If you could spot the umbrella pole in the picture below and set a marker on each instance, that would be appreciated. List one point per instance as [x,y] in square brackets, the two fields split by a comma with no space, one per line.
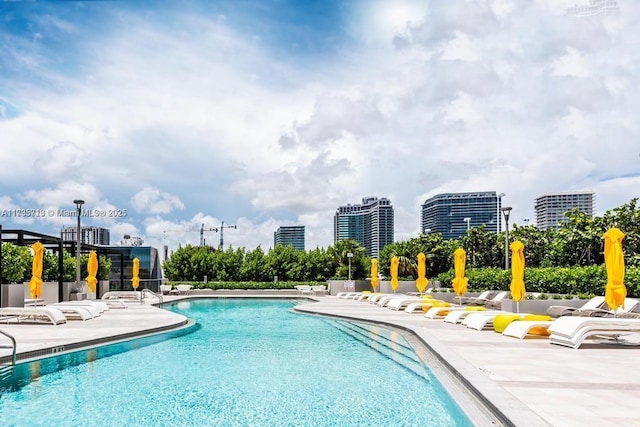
[517,306]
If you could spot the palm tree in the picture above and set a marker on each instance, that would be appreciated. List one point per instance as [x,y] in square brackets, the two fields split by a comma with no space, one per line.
[338,254]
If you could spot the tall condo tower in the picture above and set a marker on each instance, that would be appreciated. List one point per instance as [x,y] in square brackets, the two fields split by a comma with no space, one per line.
[550,208]
[451,214]
[369,223]
[290,235]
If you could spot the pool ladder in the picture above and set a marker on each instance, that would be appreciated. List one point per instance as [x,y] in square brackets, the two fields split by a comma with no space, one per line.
[7,370]
[153,295]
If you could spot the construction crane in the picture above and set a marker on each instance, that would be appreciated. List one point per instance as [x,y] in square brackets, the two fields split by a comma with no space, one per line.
[202,230]
[222,227]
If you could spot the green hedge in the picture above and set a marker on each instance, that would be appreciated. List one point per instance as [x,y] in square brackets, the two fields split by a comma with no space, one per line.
[246,285]
[550,280]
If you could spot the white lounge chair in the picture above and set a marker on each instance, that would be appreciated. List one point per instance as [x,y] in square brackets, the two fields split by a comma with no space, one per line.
[93,310]
[442,312]
[98,305]
[348,295]
[122,295]
[457,316]
[184,289]
[402,302]
[76,312]
[365,296]
[477,300]
[572,331]
[384,300]
[425,303]
[115,303]
[300,289]
[320,290]
[521,328]
[481,320]
[33,315]
[165,289]
[375,298]
[561,310]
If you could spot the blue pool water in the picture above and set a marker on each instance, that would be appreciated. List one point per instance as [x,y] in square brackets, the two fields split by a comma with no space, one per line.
[251,363]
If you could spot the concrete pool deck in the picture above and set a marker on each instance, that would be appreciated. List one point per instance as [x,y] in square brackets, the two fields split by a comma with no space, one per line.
[530,381]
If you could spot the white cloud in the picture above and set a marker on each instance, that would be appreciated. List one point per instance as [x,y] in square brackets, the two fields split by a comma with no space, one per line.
[152,201]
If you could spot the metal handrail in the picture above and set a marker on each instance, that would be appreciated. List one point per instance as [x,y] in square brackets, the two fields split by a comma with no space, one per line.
[145,290]
[13,341]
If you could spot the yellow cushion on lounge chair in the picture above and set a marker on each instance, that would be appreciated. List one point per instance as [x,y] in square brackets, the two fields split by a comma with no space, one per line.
[540,330]
[501,321]
[476,308]
[434,303]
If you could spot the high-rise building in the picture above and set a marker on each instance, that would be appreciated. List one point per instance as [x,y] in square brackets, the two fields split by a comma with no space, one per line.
[290,235]
[550,208]
[595,7]
[88,234]
[370,224]
[128,240]
[451,214]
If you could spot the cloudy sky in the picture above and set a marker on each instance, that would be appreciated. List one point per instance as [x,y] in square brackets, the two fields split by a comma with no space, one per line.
[262,113]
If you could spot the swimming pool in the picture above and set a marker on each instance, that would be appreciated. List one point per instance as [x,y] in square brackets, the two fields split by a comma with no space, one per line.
[251,363]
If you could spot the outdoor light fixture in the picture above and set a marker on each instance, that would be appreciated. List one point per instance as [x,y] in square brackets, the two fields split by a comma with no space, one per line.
[349,256]
[499,220]
[78,204]
[468,221]
[506,211]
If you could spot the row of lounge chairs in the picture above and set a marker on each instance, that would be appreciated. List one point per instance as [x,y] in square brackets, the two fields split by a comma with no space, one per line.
[55,314]
[59,313]
[568,326]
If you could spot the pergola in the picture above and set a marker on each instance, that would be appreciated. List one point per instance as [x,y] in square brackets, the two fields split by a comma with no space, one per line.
[57,246]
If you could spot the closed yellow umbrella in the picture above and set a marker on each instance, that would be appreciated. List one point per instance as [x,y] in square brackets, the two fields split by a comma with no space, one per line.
[517,273]
[615,291]
[460,282]
[35,284]
[92,270]
[395,262]
[422,282]
[374,274]
[135,280]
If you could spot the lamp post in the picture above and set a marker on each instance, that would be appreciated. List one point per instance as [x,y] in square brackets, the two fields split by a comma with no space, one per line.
[506,211]
[499,220]
[79,204]
[526,221]
[349,256]
[473,254]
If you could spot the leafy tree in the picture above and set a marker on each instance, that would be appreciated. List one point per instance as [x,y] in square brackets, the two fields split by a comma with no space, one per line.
[577,242]
[284,262]
[536,243]
[318,265]
[627,219]
[254,266]
[15,262]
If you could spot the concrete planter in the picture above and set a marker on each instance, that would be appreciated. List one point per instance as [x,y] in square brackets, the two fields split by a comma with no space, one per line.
[535,306]
[103,286]
[49,292]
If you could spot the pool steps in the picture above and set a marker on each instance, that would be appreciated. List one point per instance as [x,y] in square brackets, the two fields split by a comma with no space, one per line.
[397,350]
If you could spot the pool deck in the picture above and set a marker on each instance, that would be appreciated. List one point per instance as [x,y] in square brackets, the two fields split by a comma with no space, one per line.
[532,382]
